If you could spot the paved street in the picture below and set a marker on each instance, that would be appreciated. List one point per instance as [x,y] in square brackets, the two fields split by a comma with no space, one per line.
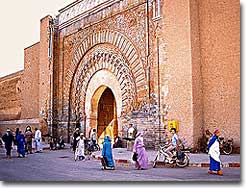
[60,166]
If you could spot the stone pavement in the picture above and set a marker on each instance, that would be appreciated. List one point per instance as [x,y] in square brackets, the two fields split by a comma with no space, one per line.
[121,155]
[60,166]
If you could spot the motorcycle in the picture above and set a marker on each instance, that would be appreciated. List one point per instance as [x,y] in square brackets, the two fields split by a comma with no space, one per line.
[180,156]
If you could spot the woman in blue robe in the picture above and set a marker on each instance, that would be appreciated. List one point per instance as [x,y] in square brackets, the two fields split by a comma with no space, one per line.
[21,143]
[107,155]
[214,154]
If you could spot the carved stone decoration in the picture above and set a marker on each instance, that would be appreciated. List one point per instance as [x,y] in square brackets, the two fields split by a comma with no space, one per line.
[77,8]
[117,40]
[103,50]
[102,57]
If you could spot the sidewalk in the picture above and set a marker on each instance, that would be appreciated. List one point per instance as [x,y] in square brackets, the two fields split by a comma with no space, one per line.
[122,156]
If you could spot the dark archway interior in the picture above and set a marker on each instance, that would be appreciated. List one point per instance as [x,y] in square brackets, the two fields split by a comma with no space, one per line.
[106,112]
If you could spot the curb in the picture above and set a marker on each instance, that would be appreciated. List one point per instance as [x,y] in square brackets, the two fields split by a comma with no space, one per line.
[224,165]
[203,165]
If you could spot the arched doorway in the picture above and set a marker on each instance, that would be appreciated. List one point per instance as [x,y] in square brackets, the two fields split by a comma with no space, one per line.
[107,115]
[103,113]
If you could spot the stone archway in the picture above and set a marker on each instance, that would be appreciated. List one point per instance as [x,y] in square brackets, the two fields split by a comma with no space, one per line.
[103,65]
[105,50]
[115,53]
[101,58]
[101,81]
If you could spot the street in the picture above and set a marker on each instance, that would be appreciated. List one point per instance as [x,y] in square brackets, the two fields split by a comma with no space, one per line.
[60,166]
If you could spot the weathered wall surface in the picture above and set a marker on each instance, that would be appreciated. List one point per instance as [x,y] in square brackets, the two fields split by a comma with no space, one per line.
[30,83]
[220,59]
[10,96]
[176,66]
[45,72]
[21,124]
[87,44]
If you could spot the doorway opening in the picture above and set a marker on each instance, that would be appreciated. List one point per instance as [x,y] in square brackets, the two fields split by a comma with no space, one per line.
[104,112]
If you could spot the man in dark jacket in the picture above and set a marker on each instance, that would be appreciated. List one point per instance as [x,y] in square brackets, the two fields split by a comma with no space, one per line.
[75,136]
[8,138]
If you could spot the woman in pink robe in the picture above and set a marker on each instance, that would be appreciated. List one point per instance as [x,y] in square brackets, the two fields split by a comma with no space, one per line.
[139,148]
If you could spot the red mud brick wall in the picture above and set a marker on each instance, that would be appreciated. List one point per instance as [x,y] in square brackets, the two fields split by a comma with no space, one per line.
[220,58]
[30,83]
[10,96]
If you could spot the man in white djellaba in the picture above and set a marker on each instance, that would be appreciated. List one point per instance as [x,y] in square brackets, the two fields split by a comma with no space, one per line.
[38,139]
[80,146]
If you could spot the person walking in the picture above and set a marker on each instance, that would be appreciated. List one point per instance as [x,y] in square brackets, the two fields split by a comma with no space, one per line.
[28,137]
[38,139]
[214,154]
[20,144]
[8,139]
[80,146]
[75,136]
[93,137]
[118,142]
[141,161]
[107,156]
[15,141]
[131,137]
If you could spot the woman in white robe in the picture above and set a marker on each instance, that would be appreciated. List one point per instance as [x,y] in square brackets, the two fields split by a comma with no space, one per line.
[214,154]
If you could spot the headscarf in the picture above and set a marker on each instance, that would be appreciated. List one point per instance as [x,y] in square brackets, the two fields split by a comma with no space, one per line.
[107,139]
[216,131]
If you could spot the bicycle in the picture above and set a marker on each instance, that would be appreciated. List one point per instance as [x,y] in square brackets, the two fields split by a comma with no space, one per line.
[180,156]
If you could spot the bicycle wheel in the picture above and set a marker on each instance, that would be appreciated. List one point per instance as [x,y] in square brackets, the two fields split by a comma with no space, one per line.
[184,161]
[227,149]
[96,147]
